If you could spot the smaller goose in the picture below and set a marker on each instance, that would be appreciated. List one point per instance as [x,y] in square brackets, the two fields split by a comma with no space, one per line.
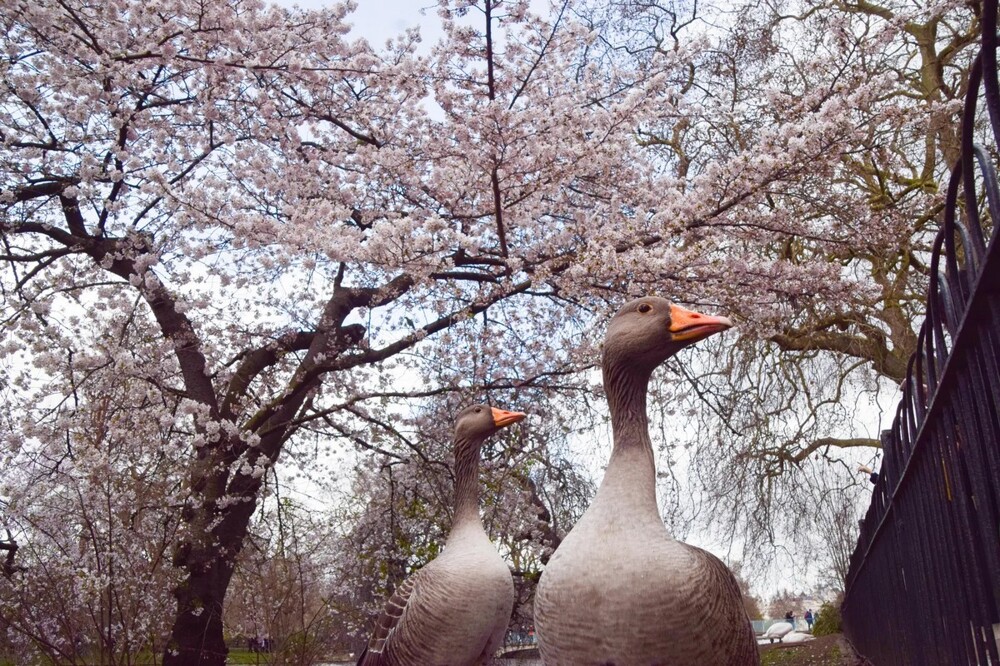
[454,611]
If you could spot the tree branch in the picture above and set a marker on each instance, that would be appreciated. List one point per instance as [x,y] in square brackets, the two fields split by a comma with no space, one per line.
[256,361]
[376,355]
[833,442]
[117,256]
[8,568]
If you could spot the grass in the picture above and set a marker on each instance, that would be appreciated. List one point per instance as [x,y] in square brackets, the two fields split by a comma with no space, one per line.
[826,651]
[793,657]
[243,656]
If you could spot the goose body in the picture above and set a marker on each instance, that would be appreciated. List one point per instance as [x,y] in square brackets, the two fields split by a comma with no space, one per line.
[455,610]
[778,631]
[618,590]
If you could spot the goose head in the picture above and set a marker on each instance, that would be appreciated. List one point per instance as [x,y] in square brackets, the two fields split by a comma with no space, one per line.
[477,422]
[472,426]
[647,331]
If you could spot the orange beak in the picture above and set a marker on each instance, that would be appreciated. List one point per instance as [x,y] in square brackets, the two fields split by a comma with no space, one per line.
[689,326]
[501,417]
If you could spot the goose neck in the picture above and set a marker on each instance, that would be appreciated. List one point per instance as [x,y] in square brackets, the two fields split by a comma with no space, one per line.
[466,481]
[629,483]
[626,389]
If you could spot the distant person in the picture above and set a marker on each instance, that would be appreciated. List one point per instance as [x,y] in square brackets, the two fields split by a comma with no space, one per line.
[865,469]
[790,619]
[809,619]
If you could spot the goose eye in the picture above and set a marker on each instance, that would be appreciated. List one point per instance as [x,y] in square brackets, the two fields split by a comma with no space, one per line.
[645,307]
[479,410]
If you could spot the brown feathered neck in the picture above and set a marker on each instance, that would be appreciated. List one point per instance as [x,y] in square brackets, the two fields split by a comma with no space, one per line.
[626,383]
[467,456]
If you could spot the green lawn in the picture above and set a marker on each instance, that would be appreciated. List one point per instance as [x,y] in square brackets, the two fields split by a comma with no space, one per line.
[244,656]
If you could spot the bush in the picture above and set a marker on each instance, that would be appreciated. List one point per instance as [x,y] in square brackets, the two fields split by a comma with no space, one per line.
[827,620]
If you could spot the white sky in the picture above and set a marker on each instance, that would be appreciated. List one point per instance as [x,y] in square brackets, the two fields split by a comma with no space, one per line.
[378,20]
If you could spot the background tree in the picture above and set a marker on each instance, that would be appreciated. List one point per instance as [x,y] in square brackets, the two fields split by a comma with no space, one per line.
[91,503]
[283,584]
[785,601]
[751,604]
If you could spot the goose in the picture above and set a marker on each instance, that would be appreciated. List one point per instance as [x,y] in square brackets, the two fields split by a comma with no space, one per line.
[619,590]
[455,610]
[778,631]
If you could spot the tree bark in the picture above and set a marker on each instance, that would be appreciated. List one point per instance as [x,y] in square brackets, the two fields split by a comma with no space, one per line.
[197,637]
[208,558]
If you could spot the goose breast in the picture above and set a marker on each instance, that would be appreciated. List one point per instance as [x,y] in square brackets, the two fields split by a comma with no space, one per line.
[652,597]
[453,611]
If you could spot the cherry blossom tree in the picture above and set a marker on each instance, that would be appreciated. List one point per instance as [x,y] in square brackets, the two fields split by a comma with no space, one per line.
[275,234]
[90,500]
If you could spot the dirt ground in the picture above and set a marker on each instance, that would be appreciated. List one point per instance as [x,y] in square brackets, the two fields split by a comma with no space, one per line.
[833,650]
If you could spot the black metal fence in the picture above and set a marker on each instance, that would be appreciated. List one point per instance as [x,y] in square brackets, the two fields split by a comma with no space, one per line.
[924,581]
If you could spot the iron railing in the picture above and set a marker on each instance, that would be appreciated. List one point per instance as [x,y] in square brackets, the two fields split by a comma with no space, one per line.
[924,581]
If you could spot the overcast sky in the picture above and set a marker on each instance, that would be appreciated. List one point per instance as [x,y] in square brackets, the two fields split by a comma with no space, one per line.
[378,20]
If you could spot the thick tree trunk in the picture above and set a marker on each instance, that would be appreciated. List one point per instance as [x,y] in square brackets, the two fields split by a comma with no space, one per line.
[208,558]
[197,638]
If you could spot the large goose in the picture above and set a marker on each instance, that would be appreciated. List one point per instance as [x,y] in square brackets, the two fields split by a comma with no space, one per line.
[618,590]
[454,611]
